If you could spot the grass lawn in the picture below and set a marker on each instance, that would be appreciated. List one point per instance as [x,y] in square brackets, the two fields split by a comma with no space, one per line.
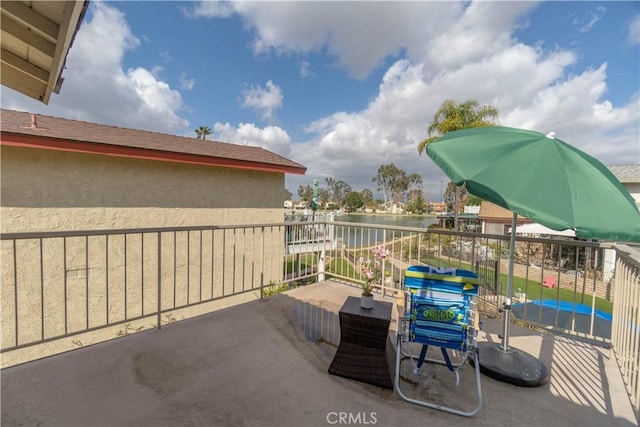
[534,289]
[306,260]
[342,268]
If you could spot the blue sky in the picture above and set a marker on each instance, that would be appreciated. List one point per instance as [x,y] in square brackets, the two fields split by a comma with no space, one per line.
[344,87]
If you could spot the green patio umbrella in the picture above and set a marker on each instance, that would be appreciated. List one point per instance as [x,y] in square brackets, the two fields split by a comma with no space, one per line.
[540,177]
[548,181]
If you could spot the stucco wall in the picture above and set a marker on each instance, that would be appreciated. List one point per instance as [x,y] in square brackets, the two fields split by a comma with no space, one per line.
[52,190]
[634,190]
[55,286]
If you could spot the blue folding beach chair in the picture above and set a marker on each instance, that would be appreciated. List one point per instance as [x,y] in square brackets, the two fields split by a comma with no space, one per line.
[439,310]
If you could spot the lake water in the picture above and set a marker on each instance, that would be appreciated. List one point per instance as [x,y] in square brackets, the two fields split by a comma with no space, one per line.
[388,219]
[356,237]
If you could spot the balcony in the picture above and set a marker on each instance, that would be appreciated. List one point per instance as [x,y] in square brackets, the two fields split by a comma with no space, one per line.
[184,327]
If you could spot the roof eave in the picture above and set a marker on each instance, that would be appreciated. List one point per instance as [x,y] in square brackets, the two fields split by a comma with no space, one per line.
[29,31]
[72,19]
[30,141]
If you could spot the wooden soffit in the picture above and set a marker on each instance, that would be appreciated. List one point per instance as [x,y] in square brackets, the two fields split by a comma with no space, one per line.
[36,37]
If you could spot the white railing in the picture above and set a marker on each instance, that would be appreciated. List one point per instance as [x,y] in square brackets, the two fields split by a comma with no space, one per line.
[626,320]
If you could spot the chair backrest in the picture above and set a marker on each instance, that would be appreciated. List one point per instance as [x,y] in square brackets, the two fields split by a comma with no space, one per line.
[440,309]
[439,305]
[549,282]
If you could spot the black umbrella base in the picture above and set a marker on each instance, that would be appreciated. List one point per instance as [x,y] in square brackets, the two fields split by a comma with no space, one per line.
[512,366]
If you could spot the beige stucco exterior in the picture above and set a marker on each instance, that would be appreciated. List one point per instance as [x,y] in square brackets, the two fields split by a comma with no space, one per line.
[634,190]
[59,286]
[55,191]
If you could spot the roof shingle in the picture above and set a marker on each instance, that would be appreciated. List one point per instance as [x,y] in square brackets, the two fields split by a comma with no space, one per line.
[626,174]
[55,128]
[491,210]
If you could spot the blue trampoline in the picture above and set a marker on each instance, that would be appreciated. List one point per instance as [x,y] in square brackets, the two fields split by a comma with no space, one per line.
[560,314]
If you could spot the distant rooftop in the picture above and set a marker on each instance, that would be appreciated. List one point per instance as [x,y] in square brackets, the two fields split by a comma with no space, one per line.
[626,174]
[491,210]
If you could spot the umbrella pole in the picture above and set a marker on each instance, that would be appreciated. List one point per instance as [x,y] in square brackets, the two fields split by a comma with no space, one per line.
[502,363]
[507,302]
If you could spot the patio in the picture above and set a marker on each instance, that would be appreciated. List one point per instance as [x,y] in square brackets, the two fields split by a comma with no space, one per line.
[265,363]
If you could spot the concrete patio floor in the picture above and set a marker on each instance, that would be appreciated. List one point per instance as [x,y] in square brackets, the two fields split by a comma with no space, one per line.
[264,363]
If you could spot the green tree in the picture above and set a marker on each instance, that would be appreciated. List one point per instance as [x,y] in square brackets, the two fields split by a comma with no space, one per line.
[287,195]
[367,197]
[395,183]
[305,192]
[338,190]
[413,184]
[473,200]
[330,183]
[323,196]
[387,180]
[452,116]
[342,190]
[417,205]
[413,194]
[449,196]
[399,186]
[202,132]
[353,201]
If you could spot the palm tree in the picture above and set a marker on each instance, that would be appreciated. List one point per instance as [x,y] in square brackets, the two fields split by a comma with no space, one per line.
[452,116]
[202,132]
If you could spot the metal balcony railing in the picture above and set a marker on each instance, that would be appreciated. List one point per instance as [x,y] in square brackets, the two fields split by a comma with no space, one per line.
[64,290]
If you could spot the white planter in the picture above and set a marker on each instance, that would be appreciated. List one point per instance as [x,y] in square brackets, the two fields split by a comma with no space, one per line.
[366,301]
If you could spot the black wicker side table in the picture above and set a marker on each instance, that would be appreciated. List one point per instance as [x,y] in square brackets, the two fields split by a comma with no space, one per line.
[362,352]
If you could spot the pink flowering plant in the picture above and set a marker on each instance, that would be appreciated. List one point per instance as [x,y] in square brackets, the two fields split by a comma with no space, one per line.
[372,269]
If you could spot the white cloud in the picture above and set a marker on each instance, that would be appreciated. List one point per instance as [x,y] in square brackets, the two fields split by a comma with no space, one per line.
[590,19]
[633,30]
[271,138]
[186,83]
[305,70]
[166,56]
[209,9]
[593,119]
[361,35]
[98,89]
[479,31]
[531,89]
[264,100]
[157,71]
[452,50]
